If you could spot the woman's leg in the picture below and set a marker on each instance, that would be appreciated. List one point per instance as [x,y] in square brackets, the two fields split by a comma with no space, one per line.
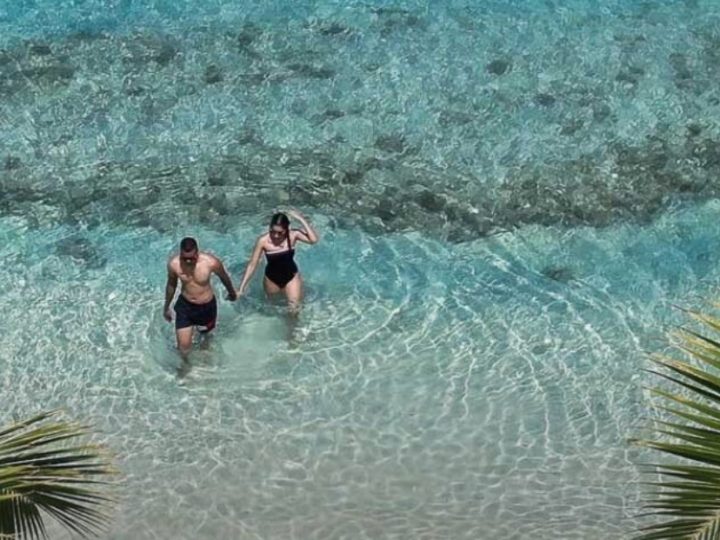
[294,293]
[270,287]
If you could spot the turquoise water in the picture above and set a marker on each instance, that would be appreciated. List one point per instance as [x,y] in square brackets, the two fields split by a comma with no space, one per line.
[512,198]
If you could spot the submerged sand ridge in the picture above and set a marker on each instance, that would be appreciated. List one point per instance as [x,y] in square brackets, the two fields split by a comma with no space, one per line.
[377,193]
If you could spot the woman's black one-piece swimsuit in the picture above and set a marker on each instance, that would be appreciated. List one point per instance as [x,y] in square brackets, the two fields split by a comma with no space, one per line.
[281,267]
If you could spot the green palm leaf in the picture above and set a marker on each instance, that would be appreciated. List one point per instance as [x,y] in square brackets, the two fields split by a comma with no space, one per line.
[687,500]
[44,471]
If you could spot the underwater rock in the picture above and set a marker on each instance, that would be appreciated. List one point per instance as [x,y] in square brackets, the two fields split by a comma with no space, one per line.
[678,62]
[572,126]
[630,42]
[388,11]
[245,39]
[498,67]
[450,118]
[213,74]
[385,209]
[332,114]
[371,224]
[39,49]
[393,143]
[680,67]
[59,73]
[17,80]
[309,71]
[247,36]
[544,100]
[80,249]
[371,66]
[558,273]
[707,151]
[630,75]
[471,228]
[221,204]
[600,112]
[694,130]
[430,201]
[76,197]
[333,29]
[300,195]
[257,78]
[12,163]
[155,108]
[457,235]
[248,136]
[218,176]
[652,157]
[540,349]
[393,20]
[134,91]
[245,47]
[351,177]
[299,106]
[165,54]
[140,50]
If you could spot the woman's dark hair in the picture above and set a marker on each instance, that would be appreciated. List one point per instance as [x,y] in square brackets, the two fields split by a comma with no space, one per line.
[282,220]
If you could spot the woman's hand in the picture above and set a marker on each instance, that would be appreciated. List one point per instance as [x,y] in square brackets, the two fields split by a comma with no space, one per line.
[312,236]
[291,212]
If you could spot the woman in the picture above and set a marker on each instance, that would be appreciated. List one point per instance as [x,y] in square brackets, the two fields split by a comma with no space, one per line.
[278,245]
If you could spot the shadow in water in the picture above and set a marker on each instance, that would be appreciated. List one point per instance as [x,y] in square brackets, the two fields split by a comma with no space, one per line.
[248,334]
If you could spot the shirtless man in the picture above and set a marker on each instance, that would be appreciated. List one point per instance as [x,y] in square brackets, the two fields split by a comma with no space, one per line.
[196,305]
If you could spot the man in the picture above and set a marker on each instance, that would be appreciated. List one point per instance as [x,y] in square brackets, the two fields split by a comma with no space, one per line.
[196,305]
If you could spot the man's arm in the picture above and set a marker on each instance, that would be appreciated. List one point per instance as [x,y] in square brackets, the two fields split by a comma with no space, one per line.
[170,286]
[219,269]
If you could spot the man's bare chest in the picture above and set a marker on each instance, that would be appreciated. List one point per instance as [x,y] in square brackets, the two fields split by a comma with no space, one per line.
[197,277]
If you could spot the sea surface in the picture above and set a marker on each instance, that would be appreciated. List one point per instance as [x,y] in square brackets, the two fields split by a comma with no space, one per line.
[515,201]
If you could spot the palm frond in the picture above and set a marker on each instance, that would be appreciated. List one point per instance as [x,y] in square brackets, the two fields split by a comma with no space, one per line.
[688,502]
[44,471]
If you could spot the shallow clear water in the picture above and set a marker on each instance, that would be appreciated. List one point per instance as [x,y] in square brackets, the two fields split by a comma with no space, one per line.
[512,197]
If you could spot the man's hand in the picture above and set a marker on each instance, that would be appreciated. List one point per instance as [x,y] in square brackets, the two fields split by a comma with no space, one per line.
[232,295]
[168,314]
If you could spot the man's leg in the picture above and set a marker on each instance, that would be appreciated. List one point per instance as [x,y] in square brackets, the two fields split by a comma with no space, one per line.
[184,340]
[206,333]
[183,326]
[206,317]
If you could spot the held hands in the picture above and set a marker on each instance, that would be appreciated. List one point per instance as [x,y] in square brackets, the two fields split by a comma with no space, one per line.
[239,292]
[232,295]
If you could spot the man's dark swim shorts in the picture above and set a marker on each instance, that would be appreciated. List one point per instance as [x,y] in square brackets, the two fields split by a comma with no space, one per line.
[189,314]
